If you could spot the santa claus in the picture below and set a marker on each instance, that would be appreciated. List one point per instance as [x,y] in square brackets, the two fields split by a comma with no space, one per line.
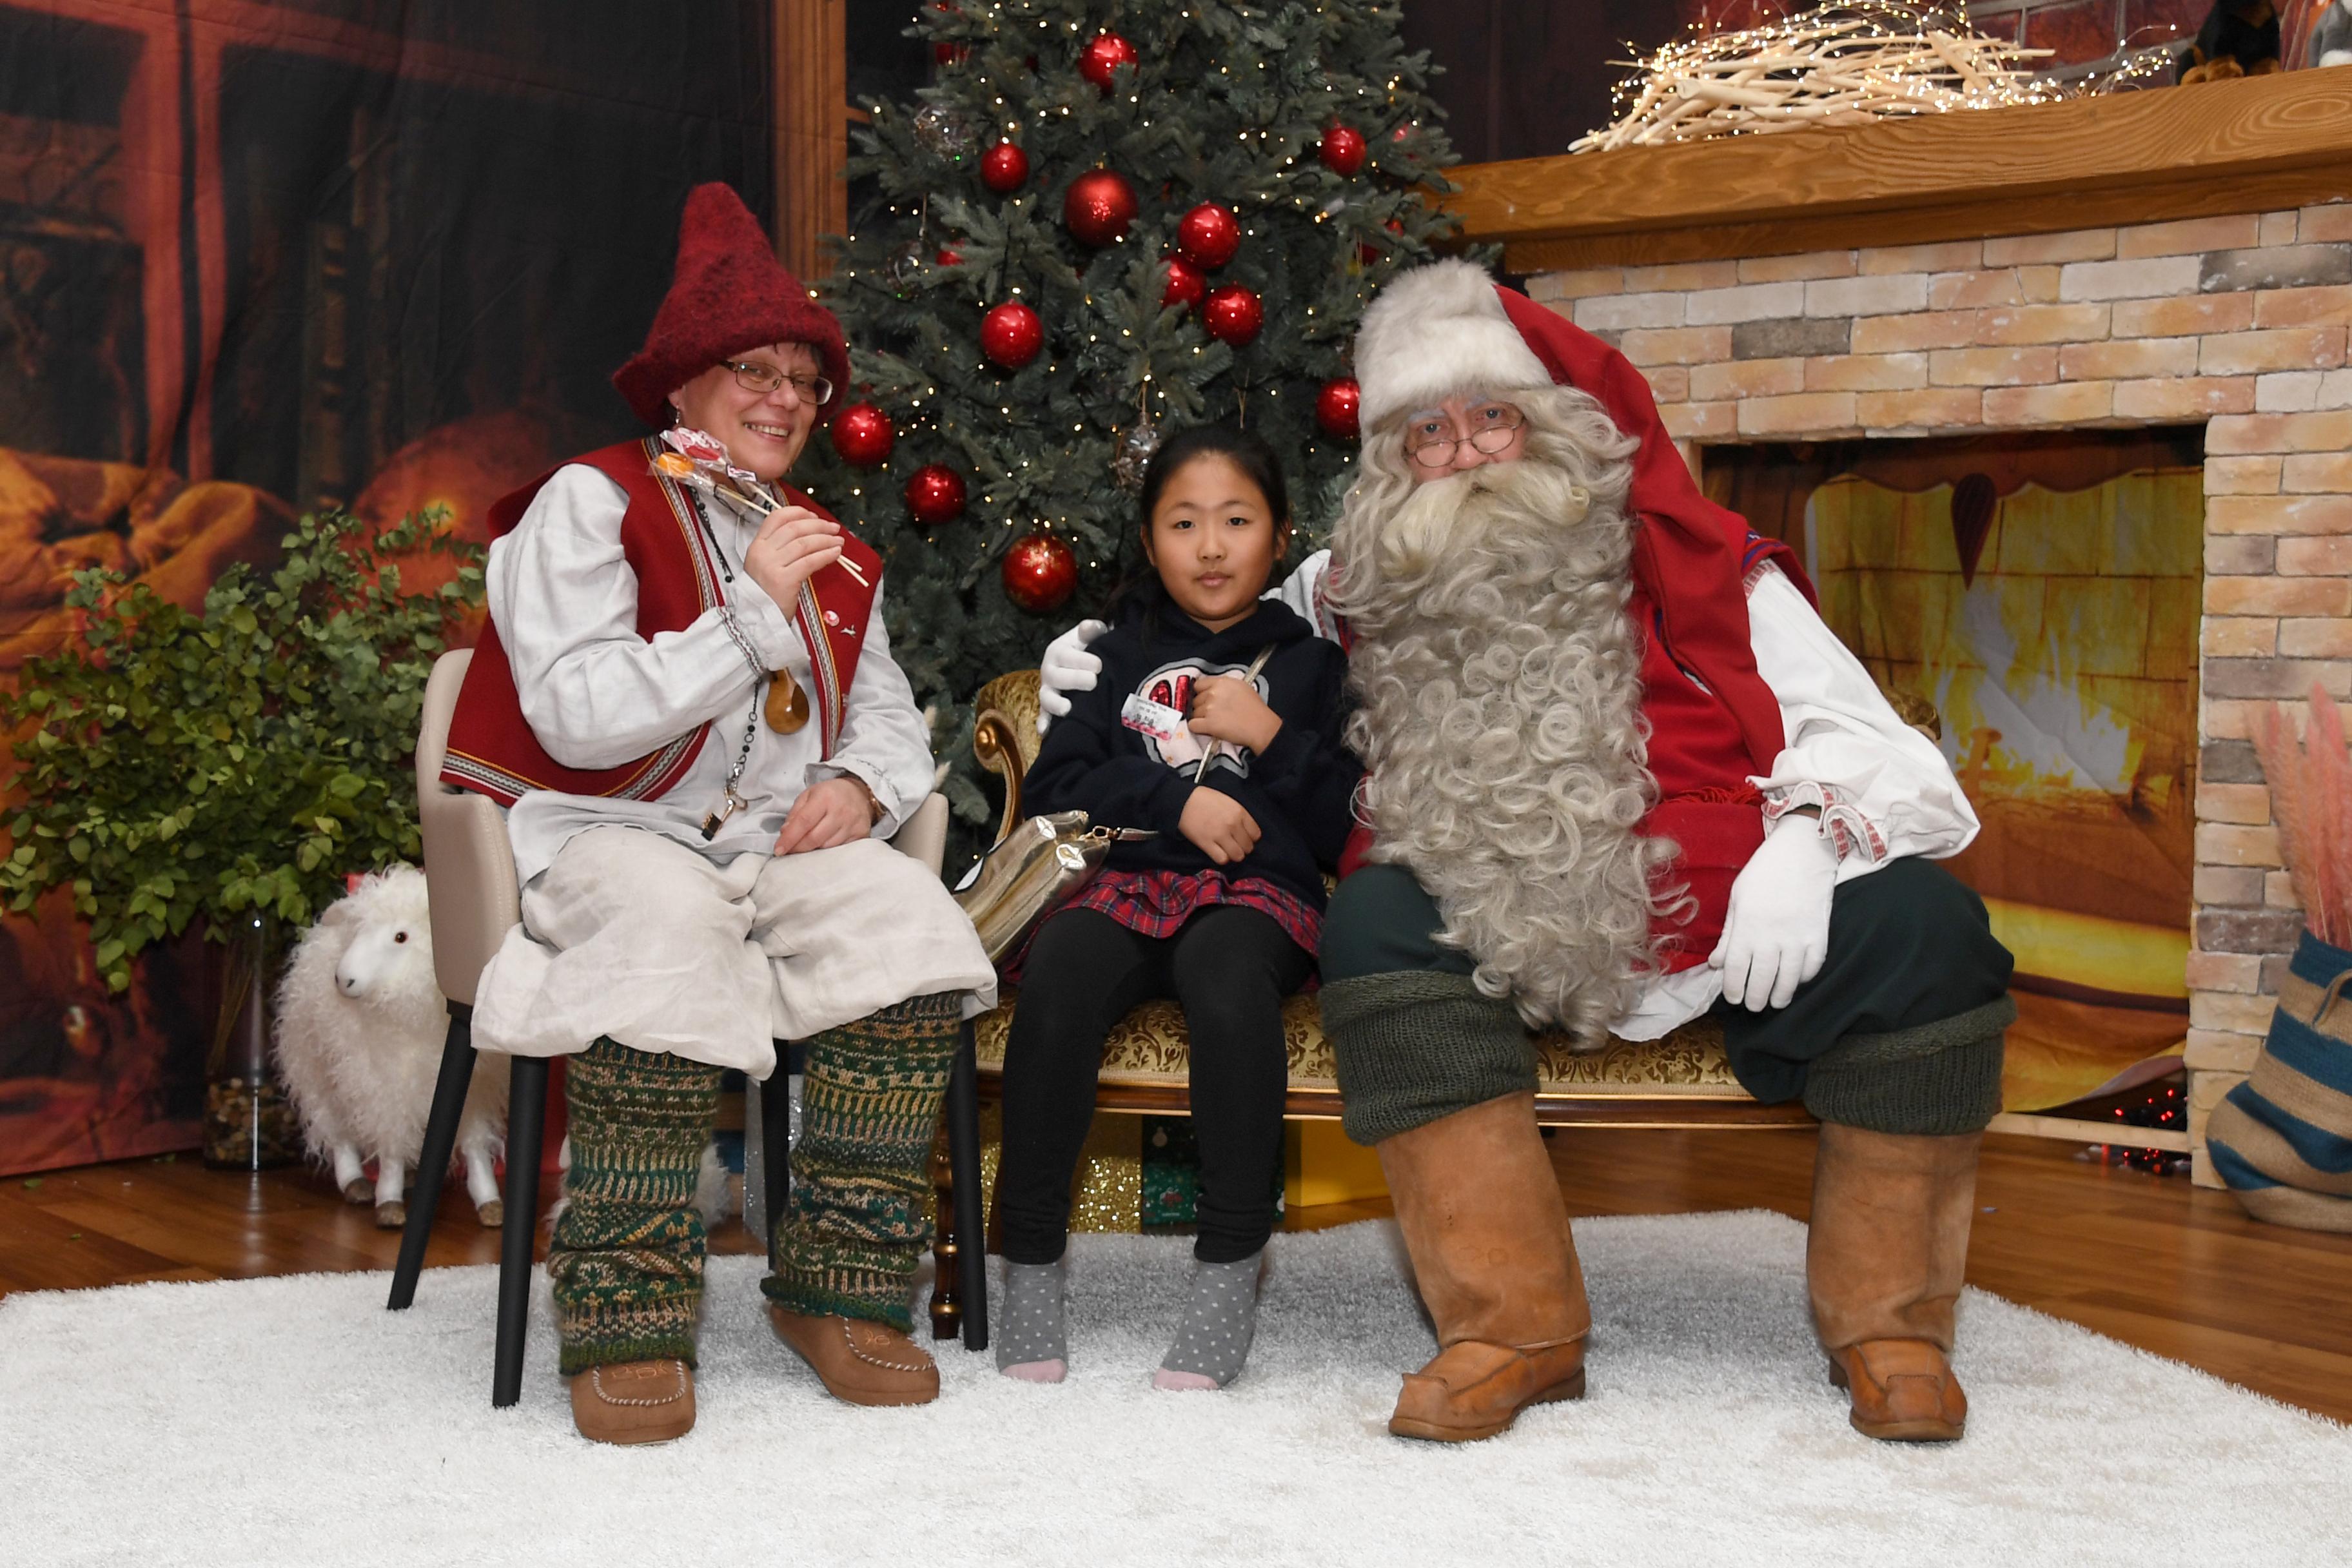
[1622,776]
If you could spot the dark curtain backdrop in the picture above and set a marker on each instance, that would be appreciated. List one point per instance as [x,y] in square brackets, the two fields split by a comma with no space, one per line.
[262,255]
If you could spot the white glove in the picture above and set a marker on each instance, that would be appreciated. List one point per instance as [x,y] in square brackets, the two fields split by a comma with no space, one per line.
[1777,932]
[1068,666]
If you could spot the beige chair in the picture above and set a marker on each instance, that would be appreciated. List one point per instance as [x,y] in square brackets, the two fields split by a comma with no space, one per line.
[470,881]
[1681,1080]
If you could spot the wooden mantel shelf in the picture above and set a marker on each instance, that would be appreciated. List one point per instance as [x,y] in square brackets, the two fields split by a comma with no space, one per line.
[2253,144]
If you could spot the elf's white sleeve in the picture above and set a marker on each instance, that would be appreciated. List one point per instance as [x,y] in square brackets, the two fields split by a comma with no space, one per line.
[1884,790]
[1303,592]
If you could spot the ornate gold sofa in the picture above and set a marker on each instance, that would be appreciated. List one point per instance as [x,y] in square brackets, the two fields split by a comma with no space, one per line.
[1681,1080]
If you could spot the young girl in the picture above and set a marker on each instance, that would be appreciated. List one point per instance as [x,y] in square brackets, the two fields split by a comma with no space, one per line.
[1220,910]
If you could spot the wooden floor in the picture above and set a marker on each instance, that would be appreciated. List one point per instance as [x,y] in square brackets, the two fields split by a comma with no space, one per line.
[2152,1262]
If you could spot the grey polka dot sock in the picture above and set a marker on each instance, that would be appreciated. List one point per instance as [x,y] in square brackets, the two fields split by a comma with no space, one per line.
[1220,1319]
[1030,1345]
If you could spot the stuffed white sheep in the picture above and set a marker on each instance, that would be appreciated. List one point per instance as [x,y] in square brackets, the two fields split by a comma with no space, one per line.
[361,1023]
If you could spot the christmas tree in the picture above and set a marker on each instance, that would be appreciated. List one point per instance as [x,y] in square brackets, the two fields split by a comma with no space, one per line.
[1103,221]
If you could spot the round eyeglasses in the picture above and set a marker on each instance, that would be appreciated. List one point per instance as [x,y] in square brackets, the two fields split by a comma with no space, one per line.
[764,379]
[1492,426]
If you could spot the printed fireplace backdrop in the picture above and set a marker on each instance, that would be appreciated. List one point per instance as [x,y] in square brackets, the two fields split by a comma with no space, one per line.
[2043,593]
[259,257]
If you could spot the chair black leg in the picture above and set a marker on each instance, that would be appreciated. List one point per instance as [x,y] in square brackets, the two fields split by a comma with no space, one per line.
[963,1162]
[526,1122]
[440,1137]
[775,1147]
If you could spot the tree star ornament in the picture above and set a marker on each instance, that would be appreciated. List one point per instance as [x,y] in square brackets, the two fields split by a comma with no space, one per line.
[863,435]
[1104,54]
[1342,150]
[1207,236]
[1040,573]
[1185,284]
[1233,315]
[1100,205]
[935,495]
[1011,335]
[1005,168]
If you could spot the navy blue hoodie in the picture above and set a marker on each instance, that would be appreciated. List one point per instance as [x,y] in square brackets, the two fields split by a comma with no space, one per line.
[1301,789]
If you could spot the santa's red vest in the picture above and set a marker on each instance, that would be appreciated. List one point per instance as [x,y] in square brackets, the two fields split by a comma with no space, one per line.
[491,747]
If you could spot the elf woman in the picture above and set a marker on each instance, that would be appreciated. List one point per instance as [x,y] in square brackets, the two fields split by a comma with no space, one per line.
[1217,727]
[689,706]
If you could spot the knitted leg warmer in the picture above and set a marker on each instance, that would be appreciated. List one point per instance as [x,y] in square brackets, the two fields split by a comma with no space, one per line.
[625,1259]
[854,1229]
[1415,1046]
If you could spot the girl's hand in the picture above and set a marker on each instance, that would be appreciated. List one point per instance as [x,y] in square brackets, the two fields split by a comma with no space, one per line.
[1229,709]
[827,815]
[1220,825]
[793,545]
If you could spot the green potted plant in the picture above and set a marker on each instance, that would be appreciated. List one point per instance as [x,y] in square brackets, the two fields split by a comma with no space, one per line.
[231,767]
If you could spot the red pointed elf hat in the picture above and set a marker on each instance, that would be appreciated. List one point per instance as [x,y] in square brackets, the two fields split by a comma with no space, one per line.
[728,295]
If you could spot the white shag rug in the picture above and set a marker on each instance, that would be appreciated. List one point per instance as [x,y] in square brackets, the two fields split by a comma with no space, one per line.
[294,1421]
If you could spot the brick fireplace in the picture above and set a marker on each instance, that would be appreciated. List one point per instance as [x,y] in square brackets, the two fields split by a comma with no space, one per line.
[2026,299]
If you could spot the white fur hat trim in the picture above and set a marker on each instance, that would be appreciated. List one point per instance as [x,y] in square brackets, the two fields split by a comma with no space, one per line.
[1436,332]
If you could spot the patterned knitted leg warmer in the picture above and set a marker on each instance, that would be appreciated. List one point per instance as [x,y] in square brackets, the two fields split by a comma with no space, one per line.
[848,1243]
[625,1260]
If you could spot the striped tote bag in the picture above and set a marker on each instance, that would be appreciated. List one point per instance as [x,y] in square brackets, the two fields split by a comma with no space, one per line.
[2282,1138]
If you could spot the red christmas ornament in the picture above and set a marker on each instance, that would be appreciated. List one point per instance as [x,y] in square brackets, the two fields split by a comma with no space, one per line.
[1233,314]
[1105,53]
[1207,236]
[935,495]
[1005,168]
[1407,129]
[1342,150]
[946,51]
[1011,335]
[863,435]
[950,256]
[1040,573]
[1098,207]
[1185,284]
[1337,405]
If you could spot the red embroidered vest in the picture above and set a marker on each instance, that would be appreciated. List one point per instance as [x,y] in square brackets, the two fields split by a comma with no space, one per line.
[491,747]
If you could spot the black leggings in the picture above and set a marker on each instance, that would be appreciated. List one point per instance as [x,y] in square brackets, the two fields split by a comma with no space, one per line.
[1229,967]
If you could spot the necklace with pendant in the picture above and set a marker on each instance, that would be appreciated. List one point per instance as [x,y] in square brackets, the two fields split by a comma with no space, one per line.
[786,707]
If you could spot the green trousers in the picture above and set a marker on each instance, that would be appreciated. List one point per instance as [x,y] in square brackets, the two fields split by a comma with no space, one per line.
[1899,1033]
[625,1259]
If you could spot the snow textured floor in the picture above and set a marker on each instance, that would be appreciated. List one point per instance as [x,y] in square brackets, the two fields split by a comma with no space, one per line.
[294,1421]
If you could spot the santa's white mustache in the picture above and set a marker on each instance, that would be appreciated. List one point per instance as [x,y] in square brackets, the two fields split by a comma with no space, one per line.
[1445,515]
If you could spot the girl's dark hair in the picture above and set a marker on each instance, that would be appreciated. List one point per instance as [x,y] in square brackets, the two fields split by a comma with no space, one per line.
[1246,450]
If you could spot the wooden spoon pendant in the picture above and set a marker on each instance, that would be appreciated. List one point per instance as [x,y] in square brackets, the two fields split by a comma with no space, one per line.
[787,705]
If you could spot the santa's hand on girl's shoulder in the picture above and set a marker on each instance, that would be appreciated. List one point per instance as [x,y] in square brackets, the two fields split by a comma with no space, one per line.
[1068,666]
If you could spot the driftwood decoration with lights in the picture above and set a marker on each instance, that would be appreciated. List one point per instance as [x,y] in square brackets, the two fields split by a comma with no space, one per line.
[1848,64]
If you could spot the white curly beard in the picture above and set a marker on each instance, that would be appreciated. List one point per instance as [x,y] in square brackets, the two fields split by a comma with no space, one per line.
[1498,678]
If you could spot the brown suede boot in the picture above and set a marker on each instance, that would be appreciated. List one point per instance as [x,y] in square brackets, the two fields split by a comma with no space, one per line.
[1884,1261]
[634,1401]
[860,1362]
[1484,1223]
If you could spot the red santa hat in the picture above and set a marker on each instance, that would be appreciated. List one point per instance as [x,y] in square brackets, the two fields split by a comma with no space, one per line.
[728,296]
[1448,329]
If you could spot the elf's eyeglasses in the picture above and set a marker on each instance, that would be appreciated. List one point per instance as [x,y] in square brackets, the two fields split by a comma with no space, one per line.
[1431,443]
[764,379]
